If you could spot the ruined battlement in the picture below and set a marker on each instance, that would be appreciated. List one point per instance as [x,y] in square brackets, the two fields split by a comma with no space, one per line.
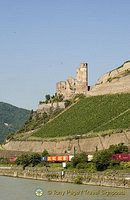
[115,81]
[74,86]
[83,65]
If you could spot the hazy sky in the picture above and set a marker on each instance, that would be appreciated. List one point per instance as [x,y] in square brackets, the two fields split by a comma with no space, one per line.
[43,42]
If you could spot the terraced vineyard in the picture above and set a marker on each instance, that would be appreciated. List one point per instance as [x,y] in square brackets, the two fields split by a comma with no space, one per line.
[97,113]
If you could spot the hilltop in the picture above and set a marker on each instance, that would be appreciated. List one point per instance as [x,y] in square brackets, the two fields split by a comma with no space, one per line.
[103,110]
[11,119]
[83,116]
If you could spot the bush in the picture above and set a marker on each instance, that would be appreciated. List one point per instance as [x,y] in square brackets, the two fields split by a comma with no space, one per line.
[102,159]
[27,159]
[23,159]
[125,165]
[45,115]
[91,167]
[69,165]
[78,180]
[114,164]
[67,103]
[35,159]
[79,158]
[4,160]
[120,148]
[45,153]
[89,178]
[10,136]
[60,97]
[81,166]
[47,97]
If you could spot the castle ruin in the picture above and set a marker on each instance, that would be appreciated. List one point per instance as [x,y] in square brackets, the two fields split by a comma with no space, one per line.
[74,86]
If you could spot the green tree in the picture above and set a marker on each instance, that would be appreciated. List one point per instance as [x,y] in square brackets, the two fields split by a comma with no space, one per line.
[120,148]
[102,159]
[35,158]
[31,114]
[45,153]
[47,97]
[78,159]
[23,159]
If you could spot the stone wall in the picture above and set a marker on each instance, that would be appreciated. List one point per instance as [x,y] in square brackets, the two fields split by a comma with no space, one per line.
[43,107]
[87,145]
[112,180]
[115,73]
[121,85]
[116,81]
[10,153]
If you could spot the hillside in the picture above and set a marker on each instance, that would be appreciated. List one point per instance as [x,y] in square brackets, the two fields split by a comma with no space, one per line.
[97,113]
[11,119]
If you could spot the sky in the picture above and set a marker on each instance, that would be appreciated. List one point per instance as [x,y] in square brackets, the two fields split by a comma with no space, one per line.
[43,42]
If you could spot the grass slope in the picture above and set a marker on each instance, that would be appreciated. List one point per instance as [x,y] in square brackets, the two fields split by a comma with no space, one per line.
[95,113]
[13,116]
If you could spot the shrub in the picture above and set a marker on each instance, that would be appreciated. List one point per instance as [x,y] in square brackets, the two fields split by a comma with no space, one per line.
[47,97]
[45,115]
[81,166]
[35,158]
[120,148]
[67,103]
[27,159]
[78,159]
[60,97]
[102,159]
[4,160]
[114,164]
[109,79]
[23,159]
[89,178]
[45,153]
[78,180]
[91,167]
[69,165]
[10,136]
[125,165]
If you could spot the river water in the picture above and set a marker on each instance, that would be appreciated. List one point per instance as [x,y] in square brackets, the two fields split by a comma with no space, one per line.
[25,189]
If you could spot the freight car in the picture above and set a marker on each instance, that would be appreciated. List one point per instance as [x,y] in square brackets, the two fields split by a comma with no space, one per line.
[57,158]
[12,159]
[121,157]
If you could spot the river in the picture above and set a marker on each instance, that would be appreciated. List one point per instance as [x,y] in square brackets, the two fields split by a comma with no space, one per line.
[25,189]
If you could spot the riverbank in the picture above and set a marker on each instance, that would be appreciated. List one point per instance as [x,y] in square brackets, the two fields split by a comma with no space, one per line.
[109,180]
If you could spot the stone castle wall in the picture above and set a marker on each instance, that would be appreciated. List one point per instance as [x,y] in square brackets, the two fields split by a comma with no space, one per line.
[116,81]
[74,86]
[43,107]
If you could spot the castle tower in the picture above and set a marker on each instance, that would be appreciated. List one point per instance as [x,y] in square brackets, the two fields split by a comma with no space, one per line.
[82,78]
